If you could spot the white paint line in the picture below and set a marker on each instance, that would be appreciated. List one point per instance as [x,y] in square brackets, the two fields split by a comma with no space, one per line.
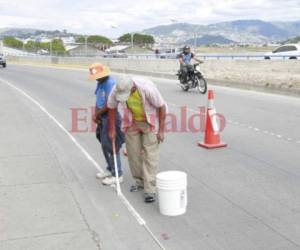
[241,125]
[128,205]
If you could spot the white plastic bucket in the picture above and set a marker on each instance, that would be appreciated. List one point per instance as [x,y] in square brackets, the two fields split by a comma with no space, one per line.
[172,192]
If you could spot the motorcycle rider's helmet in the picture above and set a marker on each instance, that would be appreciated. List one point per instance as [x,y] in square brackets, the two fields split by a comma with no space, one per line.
[186,49]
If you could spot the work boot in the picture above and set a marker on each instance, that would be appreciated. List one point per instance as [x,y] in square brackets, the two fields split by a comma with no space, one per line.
[149,198]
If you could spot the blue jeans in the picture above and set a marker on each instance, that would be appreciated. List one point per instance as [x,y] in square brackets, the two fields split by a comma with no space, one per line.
[102,136]
[109,157]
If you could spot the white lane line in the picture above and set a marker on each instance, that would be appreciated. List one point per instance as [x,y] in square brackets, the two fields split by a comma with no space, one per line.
[229,121]
[121,196]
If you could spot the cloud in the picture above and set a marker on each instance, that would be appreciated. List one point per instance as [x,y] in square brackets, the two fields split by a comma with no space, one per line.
[99,16]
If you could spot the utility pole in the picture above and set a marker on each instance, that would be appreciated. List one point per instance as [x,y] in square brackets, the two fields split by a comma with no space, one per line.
[51,48]
[132,34]
[85,40]
[23,47]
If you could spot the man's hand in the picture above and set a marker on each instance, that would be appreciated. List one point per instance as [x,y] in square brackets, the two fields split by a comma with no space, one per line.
[96,120]
[112,124]
[162,120]
[160,136]
[112,134]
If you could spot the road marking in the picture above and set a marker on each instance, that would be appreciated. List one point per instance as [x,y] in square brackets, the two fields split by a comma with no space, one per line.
[121,196]
[229,121]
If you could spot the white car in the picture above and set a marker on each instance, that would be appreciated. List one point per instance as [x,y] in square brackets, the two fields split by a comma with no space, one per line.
[290,51]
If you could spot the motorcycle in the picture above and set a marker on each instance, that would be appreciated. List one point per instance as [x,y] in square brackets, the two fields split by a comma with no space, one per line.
[195,79]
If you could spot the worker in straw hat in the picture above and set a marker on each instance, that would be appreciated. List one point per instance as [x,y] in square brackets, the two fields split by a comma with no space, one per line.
[105,84]
[144,107]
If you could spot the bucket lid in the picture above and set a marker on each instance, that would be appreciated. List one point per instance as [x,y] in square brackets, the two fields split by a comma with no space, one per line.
[171,175]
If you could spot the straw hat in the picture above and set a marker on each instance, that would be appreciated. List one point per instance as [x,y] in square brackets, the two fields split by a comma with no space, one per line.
[97,71]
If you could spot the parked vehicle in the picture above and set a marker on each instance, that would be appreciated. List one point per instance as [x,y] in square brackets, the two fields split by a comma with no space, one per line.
[170,53]
[290,51]
[195,79]
[2,60]
[116,54]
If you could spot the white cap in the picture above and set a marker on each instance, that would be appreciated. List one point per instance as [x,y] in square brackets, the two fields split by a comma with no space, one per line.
[123,88]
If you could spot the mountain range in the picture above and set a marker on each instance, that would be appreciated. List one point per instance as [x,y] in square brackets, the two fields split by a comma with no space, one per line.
[239,31]
[27,33]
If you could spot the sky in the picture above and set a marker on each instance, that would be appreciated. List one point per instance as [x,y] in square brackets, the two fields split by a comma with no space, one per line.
[115,17]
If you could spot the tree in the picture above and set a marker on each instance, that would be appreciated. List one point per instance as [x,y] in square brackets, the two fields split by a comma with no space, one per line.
[12,42]
[293,40]
[57,46]
[140,39]
[31,46]
[95,39]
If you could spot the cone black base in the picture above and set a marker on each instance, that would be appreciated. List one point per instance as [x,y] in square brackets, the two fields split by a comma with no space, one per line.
[212,146]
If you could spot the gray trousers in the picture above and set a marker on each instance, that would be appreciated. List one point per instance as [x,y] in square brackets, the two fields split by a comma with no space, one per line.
[143,155]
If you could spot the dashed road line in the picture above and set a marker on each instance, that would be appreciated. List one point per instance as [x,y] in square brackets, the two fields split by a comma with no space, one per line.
[250,127]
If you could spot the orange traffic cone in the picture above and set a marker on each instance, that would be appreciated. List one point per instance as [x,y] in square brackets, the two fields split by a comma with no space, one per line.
[212,130]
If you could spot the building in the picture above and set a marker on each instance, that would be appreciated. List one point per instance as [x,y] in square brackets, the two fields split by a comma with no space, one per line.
[68,40]
[82,50]
[127,49]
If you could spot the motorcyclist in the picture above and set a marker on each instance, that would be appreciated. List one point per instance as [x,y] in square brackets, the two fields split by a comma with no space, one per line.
[185,59]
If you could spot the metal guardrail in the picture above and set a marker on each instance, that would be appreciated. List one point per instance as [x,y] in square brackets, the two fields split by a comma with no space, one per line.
[254,56]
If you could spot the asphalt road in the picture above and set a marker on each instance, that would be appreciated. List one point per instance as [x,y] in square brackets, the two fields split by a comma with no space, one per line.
[245,196]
